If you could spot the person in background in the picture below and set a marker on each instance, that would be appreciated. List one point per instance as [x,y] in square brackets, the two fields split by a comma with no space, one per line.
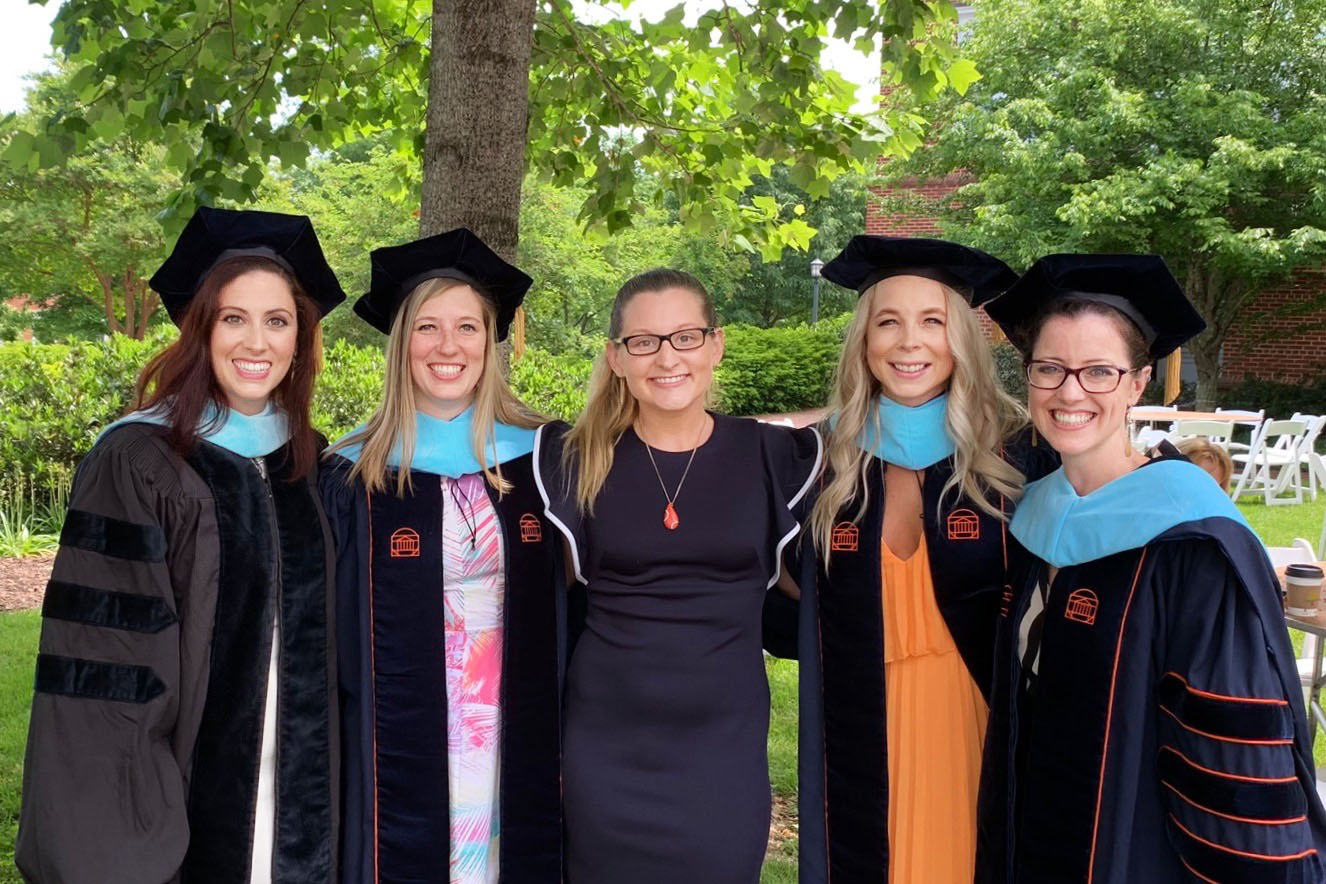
[926,459]
[184,721]
[1147,722]
[448,589]
[675,518]
[1210,457]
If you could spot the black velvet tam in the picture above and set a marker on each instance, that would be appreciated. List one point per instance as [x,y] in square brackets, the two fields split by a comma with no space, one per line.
[215,235]
[1140,287]
[978,277]
[458,254]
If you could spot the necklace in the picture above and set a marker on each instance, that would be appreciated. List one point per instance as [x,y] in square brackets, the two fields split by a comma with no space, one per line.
[671,520]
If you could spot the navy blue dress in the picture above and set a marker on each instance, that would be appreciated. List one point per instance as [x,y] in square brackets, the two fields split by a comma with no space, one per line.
[667,705]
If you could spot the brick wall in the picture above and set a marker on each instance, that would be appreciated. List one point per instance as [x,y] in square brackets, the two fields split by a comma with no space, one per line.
[1290,348]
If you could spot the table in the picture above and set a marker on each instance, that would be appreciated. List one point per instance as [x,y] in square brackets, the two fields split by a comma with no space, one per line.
[1157,415]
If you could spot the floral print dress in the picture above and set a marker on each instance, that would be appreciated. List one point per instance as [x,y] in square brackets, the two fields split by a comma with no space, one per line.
[473,593]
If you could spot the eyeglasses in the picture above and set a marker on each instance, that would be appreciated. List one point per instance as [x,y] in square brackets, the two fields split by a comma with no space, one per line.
[682,339]
[1092,378]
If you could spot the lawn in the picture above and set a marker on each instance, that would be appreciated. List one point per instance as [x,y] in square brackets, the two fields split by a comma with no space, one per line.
[1277,526]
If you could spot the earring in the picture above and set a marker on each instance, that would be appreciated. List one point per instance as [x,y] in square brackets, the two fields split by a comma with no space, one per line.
[1127,440]
[1033,436]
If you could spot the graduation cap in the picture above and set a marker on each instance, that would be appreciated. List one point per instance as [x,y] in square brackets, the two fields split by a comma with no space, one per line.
[1138,286]
[978,277]
[458,254]
[216,235]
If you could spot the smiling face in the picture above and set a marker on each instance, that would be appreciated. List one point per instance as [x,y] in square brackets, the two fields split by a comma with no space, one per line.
[907,345]
[1081,426]
[448,342]
[669,380]
[253,340]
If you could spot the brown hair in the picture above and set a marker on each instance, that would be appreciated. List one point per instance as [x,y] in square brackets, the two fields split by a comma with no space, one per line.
[611,408]
[180,379]
[1133,340]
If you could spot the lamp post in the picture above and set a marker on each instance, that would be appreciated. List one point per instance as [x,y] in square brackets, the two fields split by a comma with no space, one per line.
[815,267]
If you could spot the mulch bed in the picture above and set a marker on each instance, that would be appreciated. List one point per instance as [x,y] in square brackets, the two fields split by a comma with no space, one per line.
[23,581]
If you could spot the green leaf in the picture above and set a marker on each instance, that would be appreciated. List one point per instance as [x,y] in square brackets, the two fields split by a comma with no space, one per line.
[962,74]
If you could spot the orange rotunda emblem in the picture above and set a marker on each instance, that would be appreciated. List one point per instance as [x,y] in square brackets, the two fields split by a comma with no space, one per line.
[964,525]
[1082,605]
[846,537]
[530,529]
[405,543]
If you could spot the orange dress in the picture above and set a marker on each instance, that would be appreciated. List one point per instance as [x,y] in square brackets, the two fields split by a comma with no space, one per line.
[936,728]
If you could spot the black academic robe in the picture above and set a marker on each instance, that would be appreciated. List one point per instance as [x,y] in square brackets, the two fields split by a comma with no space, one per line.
[390,622]
[843,753]
[1164,738]
[143,753]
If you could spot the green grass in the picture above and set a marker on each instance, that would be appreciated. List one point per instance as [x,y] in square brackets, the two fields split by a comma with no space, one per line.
[18,651]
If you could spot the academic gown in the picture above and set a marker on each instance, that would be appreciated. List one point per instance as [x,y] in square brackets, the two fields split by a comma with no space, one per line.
[1164,738]
[143,753]
[390,623]
[842,758]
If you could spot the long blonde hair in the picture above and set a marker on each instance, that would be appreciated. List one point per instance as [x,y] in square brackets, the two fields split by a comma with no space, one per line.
[980,417]
[394,419]
[611,408]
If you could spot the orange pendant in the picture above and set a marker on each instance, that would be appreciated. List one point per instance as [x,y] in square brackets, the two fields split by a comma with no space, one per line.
[670,520]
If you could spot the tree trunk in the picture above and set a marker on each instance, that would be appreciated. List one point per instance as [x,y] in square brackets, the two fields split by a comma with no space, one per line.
[1206,356]
[478,109]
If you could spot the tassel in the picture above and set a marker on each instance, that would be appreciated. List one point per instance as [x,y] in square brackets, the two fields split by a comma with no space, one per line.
[518,334]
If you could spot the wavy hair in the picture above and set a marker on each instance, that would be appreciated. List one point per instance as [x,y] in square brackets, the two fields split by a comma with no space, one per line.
[980,416]
[394,419]
[610,407]
[180,379]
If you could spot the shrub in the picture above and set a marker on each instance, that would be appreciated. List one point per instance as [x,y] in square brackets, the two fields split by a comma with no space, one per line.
[772,370]
[555,385]
[349,388]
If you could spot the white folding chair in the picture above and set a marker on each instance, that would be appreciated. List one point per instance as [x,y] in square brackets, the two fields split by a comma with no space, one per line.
[1148,438]
[1251,419]
[1307,447]
[1217,431]
[1273,453]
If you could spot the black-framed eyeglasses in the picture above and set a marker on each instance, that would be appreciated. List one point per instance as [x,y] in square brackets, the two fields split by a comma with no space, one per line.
[1045,375]
[682,339]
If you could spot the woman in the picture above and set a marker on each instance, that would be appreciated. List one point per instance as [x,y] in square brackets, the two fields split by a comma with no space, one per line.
[925,462]
[1147,722]
[447,602]
[183,721]
[675,518]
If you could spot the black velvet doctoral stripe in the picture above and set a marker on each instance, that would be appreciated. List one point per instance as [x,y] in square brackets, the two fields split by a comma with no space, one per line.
[113,537]
[96,680]
[1267,801]
[304,846]
[1230,719]
[412,795]
[1066,735]
[103,607]
[855,732]
[1234,867]
[531,800]
[224,783]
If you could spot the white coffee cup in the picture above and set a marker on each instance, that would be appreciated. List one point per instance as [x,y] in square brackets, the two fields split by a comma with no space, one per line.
[1303,589]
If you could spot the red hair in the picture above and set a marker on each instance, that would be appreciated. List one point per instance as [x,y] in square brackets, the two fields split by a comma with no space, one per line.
[180,379]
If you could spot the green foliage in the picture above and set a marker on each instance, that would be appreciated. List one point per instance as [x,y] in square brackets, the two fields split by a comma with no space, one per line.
[1189,128]
[552,385]
[230,90]
[1279,400]
[58,398]
[776,370]
[81,236]
[19,631]
[349,388]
